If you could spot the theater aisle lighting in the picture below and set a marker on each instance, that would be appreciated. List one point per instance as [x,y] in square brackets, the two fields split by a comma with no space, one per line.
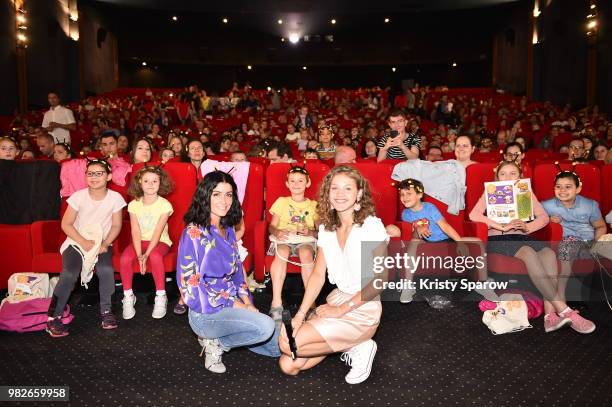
[454,64]
[280,21]
[174,18]
[282,39]
[22,27]
[387,20]
[294,38]
[249,67]
[144,63]
[393,69]
[333,21]
[225,20]
[304,67]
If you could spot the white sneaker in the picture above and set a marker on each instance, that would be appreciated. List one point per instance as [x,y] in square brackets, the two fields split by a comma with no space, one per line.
[360,359]
[407,295]
[160,306]
[128,302]
[213,351]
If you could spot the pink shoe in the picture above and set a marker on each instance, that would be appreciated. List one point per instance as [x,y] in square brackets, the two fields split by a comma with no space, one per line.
[579,324]
[552,322]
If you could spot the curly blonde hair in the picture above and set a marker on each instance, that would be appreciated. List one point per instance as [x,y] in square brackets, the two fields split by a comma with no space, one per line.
[327,214]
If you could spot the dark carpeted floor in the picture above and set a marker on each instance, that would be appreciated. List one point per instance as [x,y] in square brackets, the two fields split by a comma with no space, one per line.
[426,357]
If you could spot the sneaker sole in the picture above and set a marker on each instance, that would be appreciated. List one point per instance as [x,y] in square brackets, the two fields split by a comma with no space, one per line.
[562,324]
[159,316]
[55,335]
[365,376]
[584,332]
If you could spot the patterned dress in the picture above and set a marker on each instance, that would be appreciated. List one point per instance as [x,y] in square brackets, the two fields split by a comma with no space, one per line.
[209,270]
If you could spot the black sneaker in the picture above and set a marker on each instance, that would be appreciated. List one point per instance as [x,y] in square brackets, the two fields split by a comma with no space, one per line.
[108,320]
[180,309]
[56,328]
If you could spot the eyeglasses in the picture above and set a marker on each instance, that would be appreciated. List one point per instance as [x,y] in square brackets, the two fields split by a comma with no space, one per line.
[96,174]
[511,156]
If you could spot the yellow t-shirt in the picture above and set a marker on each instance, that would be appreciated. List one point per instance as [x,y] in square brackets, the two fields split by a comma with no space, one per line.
[149,215]
[292,213]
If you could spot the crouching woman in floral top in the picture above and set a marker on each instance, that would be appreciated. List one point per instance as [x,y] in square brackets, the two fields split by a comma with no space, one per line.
[209,276]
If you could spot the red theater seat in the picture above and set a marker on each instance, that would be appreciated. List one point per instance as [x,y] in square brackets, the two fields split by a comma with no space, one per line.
[544,180]
[15,251]
[276,175]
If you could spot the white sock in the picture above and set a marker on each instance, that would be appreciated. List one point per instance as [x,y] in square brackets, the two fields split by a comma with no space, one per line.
[161,293]
[128,293]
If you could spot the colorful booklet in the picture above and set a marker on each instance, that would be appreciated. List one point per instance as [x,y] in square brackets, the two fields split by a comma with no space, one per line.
[509,200]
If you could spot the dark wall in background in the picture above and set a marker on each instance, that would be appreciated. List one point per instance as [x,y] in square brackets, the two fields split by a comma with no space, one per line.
[8,62]
[99,48]
[510,56]
[604,57]
[562,53]
[52,57]
[220,78]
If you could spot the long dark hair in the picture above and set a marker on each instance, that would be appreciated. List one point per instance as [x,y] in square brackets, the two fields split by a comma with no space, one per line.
[199,211]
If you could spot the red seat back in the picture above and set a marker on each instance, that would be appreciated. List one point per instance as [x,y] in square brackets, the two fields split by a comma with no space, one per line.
[606,190]
[476,175]
[382,187]
[252,204]
[184,177]
[544,180]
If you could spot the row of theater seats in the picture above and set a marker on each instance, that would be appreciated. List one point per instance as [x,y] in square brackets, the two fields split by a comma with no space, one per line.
[36,247]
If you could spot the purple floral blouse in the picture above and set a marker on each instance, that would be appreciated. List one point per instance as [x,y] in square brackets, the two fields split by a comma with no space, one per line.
[209,270]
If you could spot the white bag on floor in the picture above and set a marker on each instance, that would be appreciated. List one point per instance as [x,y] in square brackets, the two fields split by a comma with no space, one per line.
[509,316]
[27,286]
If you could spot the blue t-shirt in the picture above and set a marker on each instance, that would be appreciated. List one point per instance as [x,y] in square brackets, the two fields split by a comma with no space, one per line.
[432,214]
[577,220]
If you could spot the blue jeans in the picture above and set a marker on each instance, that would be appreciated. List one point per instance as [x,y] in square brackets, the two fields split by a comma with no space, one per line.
[236,327]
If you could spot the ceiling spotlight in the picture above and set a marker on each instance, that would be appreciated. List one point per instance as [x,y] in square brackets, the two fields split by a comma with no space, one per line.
[249,67]
[74,16]
[269,89]
[454,64]
[74,36]
[21,37]
[279,21]
[333,21]
[21,18]
[304,67]
[283,39]
[294,38]
[174,18]
[593,6]
[393,69]
[225,20]
[592,24]
[144,63]
[387,20]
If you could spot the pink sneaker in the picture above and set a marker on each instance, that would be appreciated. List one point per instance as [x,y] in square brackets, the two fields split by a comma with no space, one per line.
[579,324]
[552,322]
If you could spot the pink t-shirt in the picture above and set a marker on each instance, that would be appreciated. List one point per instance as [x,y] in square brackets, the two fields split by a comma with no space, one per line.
[90,211]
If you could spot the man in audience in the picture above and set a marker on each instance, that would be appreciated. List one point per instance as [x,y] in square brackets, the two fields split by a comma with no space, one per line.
[46,145]
[397,143]
[58,120]
[280,153]
[344,155]
[576,150]
[108,145]
[434,153]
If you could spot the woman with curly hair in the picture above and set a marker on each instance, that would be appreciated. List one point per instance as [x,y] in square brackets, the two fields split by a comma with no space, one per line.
[349,318]
[210,279]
